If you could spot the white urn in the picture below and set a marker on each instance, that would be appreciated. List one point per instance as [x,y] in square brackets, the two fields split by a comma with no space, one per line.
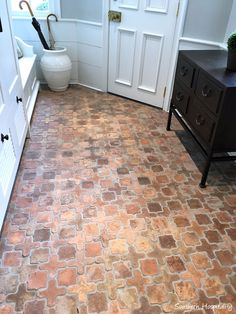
[56,67]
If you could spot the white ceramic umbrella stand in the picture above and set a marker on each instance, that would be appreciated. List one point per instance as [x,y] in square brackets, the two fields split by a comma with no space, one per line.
[56,64]
[56,67]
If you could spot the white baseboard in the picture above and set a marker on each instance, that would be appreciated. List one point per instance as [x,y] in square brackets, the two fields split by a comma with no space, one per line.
[78,83]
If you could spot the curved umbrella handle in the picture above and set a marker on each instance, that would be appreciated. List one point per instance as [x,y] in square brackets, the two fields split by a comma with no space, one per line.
[51,39]
[28,5]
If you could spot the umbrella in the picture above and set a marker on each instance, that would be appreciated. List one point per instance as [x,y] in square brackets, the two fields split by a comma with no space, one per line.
[35,24]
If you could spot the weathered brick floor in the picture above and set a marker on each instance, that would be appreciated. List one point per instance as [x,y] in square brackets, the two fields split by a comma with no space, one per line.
[107,217]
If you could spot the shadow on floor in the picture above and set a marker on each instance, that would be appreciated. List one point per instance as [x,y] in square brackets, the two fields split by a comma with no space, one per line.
[220,173]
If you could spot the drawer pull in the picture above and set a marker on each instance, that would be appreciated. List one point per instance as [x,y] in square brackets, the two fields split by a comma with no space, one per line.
[200,120]
[179,96]
[206,91]
[183,70]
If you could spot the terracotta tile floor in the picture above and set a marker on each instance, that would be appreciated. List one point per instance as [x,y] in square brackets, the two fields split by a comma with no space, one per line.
[107,217]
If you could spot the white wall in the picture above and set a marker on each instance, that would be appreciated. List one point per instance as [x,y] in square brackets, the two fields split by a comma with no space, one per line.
[88,10]
[232,22]
[207,23]
[207,20]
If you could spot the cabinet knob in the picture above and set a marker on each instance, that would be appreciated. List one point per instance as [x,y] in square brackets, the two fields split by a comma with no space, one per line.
[200,120]
[18,99]
[179,96]
[4,138]
[206,91]
[183,70]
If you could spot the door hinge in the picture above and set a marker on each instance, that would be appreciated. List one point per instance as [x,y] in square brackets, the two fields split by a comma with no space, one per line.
[164,93]
[177,12]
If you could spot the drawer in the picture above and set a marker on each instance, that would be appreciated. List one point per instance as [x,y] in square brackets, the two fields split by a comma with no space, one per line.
[185,72]
[180,98]
[201,122]
[208,92]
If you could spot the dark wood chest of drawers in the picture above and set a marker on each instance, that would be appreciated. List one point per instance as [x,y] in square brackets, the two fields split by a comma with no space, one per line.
[204,101]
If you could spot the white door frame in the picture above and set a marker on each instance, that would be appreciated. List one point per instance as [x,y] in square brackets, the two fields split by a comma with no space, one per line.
[105,21]
[175,48]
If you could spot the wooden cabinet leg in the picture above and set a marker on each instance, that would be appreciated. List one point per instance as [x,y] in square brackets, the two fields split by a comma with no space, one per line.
[169,119]
[202,184]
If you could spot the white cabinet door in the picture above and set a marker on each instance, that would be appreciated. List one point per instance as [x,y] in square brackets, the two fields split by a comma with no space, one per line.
[140,48]
[13,125]
[8,168]
[6,171]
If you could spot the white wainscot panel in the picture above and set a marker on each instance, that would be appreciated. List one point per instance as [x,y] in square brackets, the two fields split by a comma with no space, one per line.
[7,162]
[157,5]
[125,56]
[150,61]
[63,31]
[90,34]
[20,123]
[129,4]
[74,73]
[90,76]
[71,49]
[90,55]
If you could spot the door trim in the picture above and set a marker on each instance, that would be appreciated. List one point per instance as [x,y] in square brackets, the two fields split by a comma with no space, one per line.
[105,22]
[182,10]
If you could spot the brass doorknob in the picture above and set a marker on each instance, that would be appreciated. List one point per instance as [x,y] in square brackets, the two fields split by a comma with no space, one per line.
[114,16]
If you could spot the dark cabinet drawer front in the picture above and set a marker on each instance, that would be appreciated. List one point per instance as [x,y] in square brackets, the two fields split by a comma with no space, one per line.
[185,72]
[208,92]
[180,98]
[200,120]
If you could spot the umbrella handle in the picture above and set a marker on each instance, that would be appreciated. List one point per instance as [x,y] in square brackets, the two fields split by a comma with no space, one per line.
[51,39]
[28,5]
[49,15]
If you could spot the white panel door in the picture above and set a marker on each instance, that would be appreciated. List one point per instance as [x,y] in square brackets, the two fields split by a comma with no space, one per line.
[140,48]
[11,80]
[13,123]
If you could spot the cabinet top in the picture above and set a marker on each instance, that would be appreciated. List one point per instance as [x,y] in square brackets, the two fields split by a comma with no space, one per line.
[213,62]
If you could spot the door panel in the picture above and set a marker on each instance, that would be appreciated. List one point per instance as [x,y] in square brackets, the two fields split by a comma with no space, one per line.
[157,5]
[129,4]
[150,62]
[140,48]
[126,48]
